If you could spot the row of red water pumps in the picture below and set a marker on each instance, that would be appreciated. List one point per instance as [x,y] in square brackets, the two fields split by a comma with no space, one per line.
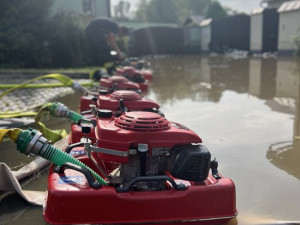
[156,170]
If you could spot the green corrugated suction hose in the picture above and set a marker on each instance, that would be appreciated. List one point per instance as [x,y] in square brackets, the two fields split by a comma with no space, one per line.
[31,142]
[57,110]
[60,110]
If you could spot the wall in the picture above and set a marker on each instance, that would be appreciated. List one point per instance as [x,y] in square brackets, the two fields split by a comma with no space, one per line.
[192,39]
[256,29]
[231,32]
[205,38]
[270,30]
[288,27]
[156,41]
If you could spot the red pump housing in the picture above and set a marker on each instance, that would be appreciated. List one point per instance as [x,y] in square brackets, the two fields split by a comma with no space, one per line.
[131,71]
[144,140]
[122,83]
[131,100]
[86,101]
[133,128]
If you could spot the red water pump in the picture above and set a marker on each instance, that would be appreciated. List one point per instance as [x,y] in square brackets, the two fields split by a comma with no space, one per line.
[126,101]
[135,76]
[130,71]
[114,101]
[120,83]
[156,171]
[118,102]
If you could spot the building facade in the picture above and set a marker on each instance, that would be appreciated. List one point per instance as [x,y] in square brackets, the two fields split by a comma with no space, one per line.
[289,27]
[264,30]
[230,33]
[205,35]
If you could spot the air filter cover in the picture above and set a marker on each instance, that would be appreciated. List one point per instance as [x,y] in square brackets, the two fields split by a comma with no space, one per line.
[142,121]
[126,95]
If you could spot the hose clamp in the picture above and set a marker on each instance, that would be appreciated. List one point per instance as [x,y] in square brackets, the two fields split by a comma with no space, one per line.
[61,110]
[78,87]
[32,143]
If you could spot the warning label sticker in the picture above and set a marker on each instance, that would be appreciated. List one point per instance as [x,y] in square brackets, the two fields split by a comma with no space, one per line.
[71,180]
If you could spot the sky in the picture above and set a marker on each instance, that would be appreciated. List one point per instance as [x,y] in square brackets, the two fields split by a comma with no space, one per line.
[245,6]
[241,5]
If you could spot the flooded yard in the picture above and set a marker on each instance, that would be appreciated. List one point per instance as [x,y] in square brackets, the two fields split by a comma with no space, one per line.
[247,113]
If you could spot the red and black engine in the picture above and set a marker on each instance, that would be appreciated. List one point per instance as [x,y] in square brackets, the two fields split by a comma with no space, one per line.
[120,83]
[149,145]
[118,102]
[126,101]
[134,73]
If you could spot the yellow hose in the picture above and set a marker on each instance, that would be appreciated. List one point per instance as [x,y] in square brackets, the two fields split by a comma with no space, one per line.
[62,78]
[6,86]
[65,81]
[16,114]
[11,133]
[53,135]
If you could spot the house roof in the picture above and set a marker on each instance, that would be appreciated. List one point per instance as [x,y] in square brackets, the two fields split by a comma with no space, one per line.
[139,25]
[289,6]
[206,22]
[193,20]
[257,11]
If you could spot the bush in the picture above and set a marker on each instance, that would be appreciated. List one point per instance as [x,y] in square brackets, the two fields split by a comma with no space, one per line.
[30,38]
[22,32]
[66,41]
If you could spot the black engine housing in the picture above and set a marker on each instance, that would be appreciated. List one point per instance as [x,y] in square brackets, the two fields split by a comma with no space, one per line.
[192,164]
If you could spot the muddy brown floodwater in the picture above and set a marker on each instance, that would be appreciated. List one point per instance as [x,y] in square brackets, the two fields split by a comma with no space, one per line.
[247,113]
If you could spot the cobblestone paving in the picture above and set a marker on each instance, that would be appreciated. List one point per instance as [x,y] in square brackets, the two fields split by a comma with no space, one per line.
[26,99]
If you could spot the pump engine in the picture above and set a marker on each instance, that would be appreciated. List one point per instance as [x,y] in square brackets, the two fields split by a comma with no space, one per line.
[146,144]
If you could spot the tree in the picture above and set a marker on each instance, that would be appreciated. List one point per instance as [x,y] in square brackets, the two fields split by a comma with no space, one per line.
[188,8]
[215,11]
[230,11]
[176,11]
[162,11]
[30,37]
[157,11]
[122,11]
[67,46]
[140,14]
[297,44]
[23,32]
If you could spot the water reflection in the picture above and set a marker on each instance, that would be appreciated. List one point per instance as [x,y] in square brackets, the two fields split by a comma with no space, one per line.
[205,79]
[286,155]
[262,80]
[198,78]
[243,109]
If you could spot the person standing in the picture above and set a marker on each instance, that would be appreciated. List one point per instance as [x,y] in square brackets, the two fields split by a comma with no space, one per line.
[101,35]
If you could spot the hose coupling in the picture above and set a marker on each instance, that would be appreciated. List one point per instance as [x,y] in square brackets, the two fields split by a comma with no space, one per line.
[31,142]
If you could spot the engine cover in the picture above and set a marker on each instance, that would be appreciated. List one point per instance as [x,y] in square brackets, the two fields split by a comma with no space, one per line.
[132,101]
[169,146]
[122,83]
[133,128]
[131,71]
